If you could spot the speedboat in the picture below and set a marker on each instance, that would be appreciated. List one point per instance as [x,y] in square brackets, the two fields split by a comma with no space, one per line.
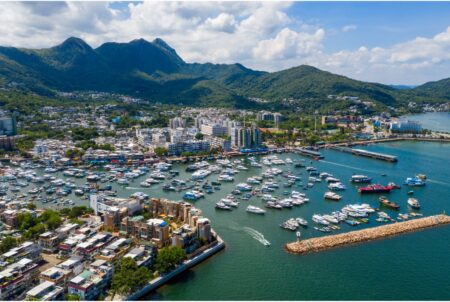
[337,186]
[360,179]
[413,203]
[221,206]
[332,196]
[255,210]
[320,220]
[414,182]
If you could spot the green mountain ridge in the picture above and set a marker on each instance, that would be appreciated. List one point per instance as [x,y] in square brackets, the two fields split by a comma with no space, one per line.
[154,70]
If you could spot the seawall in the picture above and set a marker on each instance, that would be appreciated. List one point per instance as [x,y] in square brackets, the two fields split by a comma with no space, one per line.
[328,242]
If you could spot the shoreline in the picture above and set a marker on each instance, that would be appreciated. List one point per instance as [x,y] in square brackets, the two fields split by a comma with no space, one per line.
[187,264]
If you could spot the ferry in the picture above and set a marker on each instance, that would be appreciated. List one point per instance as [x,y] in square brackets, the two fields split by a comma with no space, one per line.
[360,179]
[384,201]
[377,188]
[413,203]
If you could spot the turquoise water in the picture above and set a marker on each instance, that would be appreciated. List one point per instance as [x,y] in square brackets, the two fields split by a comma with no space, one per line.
[408,267]
[436,121]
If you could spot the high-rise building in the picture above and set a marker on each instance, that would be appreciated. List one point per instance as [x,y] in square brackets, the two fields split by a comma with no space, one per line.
[8,125]
[177,122]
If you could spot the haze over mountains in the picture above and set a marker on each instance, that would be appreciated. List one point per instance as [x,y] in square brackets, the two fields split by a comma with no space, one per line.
[154,70]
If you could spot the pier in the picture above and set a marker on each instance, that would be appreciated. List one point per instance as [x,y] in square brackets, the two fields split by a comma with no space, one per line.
[380,232]
[308,152]
[365,153]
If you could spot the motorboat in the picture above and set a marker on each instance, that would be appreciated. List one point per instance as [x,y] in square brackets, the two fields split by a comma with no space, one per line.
[360,179]
[332,196]
[413,203]
[255,210]
[320,220]
[337,186]
[390,204]
[414,182]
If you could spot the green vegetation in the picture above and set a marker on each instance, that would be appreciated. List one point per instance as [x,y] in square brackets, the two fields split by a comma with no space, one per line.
[168,258]
[7,243]
[83,134]
[128,277]
[87,144]
[31,227]
[199,136]
[75,212]
[72,297]
[161,151]
[153,71]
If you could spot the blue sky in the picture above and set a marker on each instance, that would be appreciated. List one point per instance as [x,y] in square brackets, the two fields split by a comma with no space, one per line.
[386,42]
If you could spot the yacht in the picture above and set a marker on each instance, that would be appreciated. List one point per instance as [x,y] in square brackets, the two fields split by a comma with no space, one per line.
[301,221]
[193,195]
[244,187]
[200,174]
[253,181]
[221,206]
[360,179]
[229,202]
[414,182]
[255,210]
[337,186]
[122,181]
[332,196]
[331,179]
[145,184]
[413,203]
[320,220]
[225,177]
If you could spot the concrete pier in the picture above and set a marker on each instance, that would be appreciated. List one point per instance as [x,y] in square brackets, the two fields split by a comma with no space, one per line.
[365,153]
[328,242]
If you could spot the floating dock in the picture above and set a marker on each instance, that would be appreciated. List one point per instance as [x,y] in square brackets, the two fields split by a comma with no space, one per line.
[327,242]
[308,152]
[361,152]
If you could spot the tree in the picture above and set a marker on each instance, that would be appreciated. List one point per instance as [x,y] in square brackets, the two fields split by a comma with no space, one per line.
[7,243]
[129,277]
[168,258]
[72,297]
[161,151]
[199,136]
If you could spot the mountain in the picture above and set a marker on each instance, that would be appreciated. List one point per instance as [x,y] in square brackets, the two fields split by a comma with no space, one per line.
[154,70]
[440,89]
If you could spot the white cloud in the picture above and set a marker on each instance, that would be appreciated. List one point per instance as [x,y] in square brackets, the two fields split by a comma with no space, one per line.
[349,27]
[261,35]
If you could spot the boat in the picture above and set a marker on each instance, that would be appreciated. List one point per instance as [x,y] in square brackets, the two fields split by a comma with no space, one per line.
[337,186]
[332,196]
[320,220]
[352,222]
[255,210]
[221,206]
[193,195]
[377,188]
[244,187]
[145,184]
[413,203]
[323,229]
[414,182]
[200,174]
[384,201]
[301,221]
[360,179]
[225,177]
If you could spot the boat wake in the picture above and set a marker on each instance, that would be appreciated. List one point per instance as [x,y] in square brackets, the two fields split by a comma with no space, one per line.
[257,236]
[347,166]
[438,182]
[132,188]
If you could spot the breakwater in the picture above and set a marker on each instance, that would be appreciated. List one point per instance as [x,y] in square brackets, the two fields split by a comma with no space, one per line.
[328,242]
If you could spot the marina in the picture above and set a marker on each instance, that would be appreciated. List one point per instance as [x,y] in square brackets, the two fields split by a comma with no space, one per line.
[328,242]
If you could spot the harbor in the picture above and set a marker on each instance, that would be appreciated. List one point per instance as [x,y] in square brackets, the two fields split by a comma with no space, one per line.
[380,232]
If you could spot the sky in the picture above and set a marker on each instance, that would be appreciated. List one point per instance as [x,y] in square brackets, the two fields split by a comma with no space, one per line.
[387,42]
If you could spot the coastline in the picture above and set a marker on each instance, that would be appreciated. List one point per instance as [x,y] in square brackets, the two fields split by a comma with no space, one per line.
[187,264]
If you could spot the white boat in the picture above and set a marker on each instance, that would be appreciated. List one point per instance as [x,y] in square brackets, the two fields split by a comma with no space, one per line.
[331,179]
[253,181]
[337,186]
[244,187]
[320,220]
[332,196]
[145,184]
[255,210]
[413,203]
[122,181]
[225,177]
[200,174]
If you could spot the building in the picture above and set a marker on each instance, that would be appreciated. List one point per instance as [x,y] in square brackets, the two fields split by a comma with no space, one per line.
[220,143]
[17,277]
[214,130]
[269,116]
[89,284]
[143,255]
[153,230]
[405,127]
[49,241]
[204,229]
[177,122]
[46,291]
[192,146]
[8,126]
[28,249]
[246,137]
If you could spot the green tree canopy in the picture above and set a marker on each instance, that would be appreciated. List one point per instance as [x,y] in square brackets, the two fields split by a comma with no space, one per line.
[129,277]
[168,258]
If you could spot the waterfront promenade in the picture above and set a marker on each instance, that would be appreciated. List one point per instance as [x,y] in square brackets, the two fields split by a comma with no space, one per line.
[187,264]
[328,242]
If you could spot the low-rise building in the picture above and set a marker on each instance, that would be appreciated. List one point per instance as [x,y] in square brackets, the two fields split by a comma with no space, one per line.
[46,291]
[17,277]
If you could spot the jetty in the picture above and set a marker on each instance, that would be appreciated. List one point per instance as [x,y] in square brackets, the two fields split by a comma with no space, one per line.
[327,242]
[308,152]
[365,153]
